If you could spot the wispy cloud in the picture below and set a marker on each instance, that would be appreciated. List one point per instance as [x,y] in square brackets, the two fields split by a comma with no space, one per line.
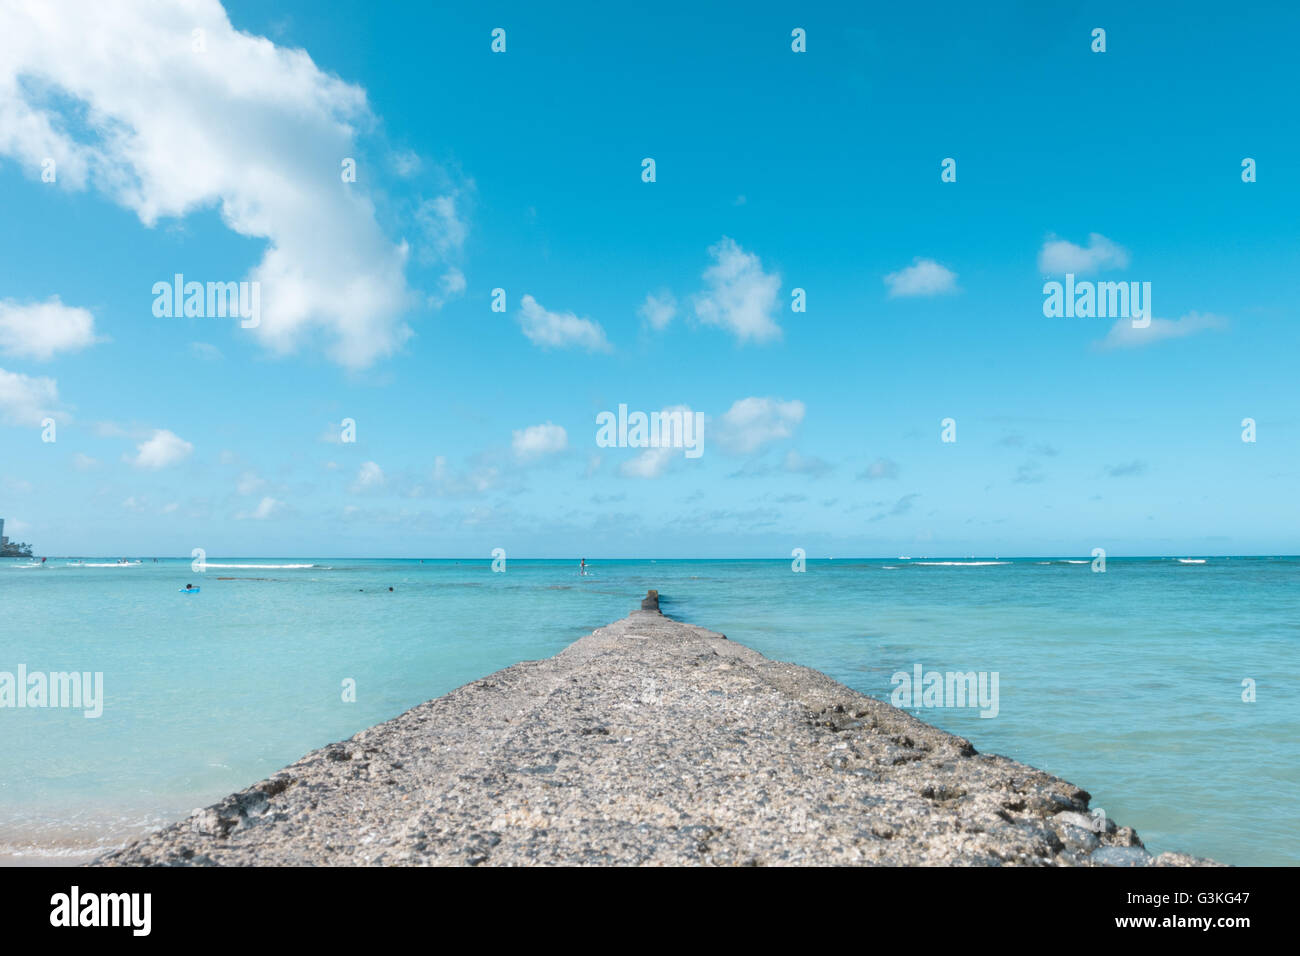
[878,469]
[369,477]
[265,509]
[1030,473]
[1128,469]
[658,310]
[811,465]
[1122,335]
[900,507]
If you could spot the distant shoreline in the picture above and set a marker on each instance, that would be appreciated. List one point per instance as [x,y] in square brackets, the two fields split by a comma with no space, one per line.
[477,558]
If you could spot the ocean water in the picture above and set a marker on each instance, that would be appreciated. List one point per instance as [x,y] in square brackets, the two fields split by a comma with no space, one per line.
[1127,683]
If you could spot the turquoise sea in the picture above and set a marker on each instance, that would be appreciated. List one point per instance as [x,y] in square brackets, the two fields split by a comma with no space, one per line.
[1127,683]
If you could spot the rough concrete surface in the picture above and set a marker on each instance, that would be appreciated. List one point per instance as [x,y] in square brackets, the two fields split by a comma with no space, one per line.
[654,742]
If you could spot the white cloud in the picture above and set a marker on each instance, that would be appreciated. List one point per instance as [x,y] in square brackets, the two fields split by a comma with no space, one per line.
[1122,335]
[205,351]
[651,463]
[654,462]
[243,127]
[1061,256]
[265,509]
[406,163]
[369,475]
[452,484]
[559,329]
[161,449]
[250,483]
[537,441]
[752,422]
[83,462]
[922,278]
[453,282]
[444,229]
[25,400]
[658,310]
[38,330]
[740,296]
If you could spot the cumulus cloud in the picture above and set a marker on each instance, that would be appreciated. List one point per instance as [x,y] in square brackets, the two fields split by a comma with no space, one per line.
[739,296]
[241,126]
[161,450]
[922,278]
[538,441]
[559,329]
[1122,335]
[1061,255]
[753,422]
[25,400]
[658,310]
[40,330]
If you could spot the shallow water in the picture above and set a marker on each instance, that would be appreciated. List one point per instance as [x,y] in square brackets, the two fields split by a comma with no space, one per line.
[1127,683]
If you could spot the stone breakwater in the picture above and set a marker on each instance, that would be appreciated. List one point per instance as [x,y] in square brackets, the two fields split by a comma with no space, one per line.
[650,741]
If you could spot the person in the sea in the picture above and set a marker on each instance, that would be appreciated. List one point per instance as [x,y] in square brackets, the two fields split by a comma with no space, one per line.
[582,569]
[189,587]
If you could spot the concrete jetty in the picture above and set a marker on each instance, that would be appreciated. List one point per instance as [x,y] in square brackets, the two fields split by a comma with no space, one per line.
[651,741]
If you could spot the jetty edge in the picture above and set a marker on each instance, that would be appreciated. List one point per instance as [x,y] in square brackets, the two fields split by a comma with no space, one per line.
[650,741]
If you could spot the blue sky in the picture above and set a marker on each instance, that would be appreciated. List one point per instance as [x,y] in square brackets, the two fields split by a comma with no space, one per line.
[522,171]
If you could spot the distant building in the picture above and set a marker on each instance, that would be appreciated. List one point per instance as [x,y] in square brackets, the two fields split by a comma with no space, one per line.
[12,549]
